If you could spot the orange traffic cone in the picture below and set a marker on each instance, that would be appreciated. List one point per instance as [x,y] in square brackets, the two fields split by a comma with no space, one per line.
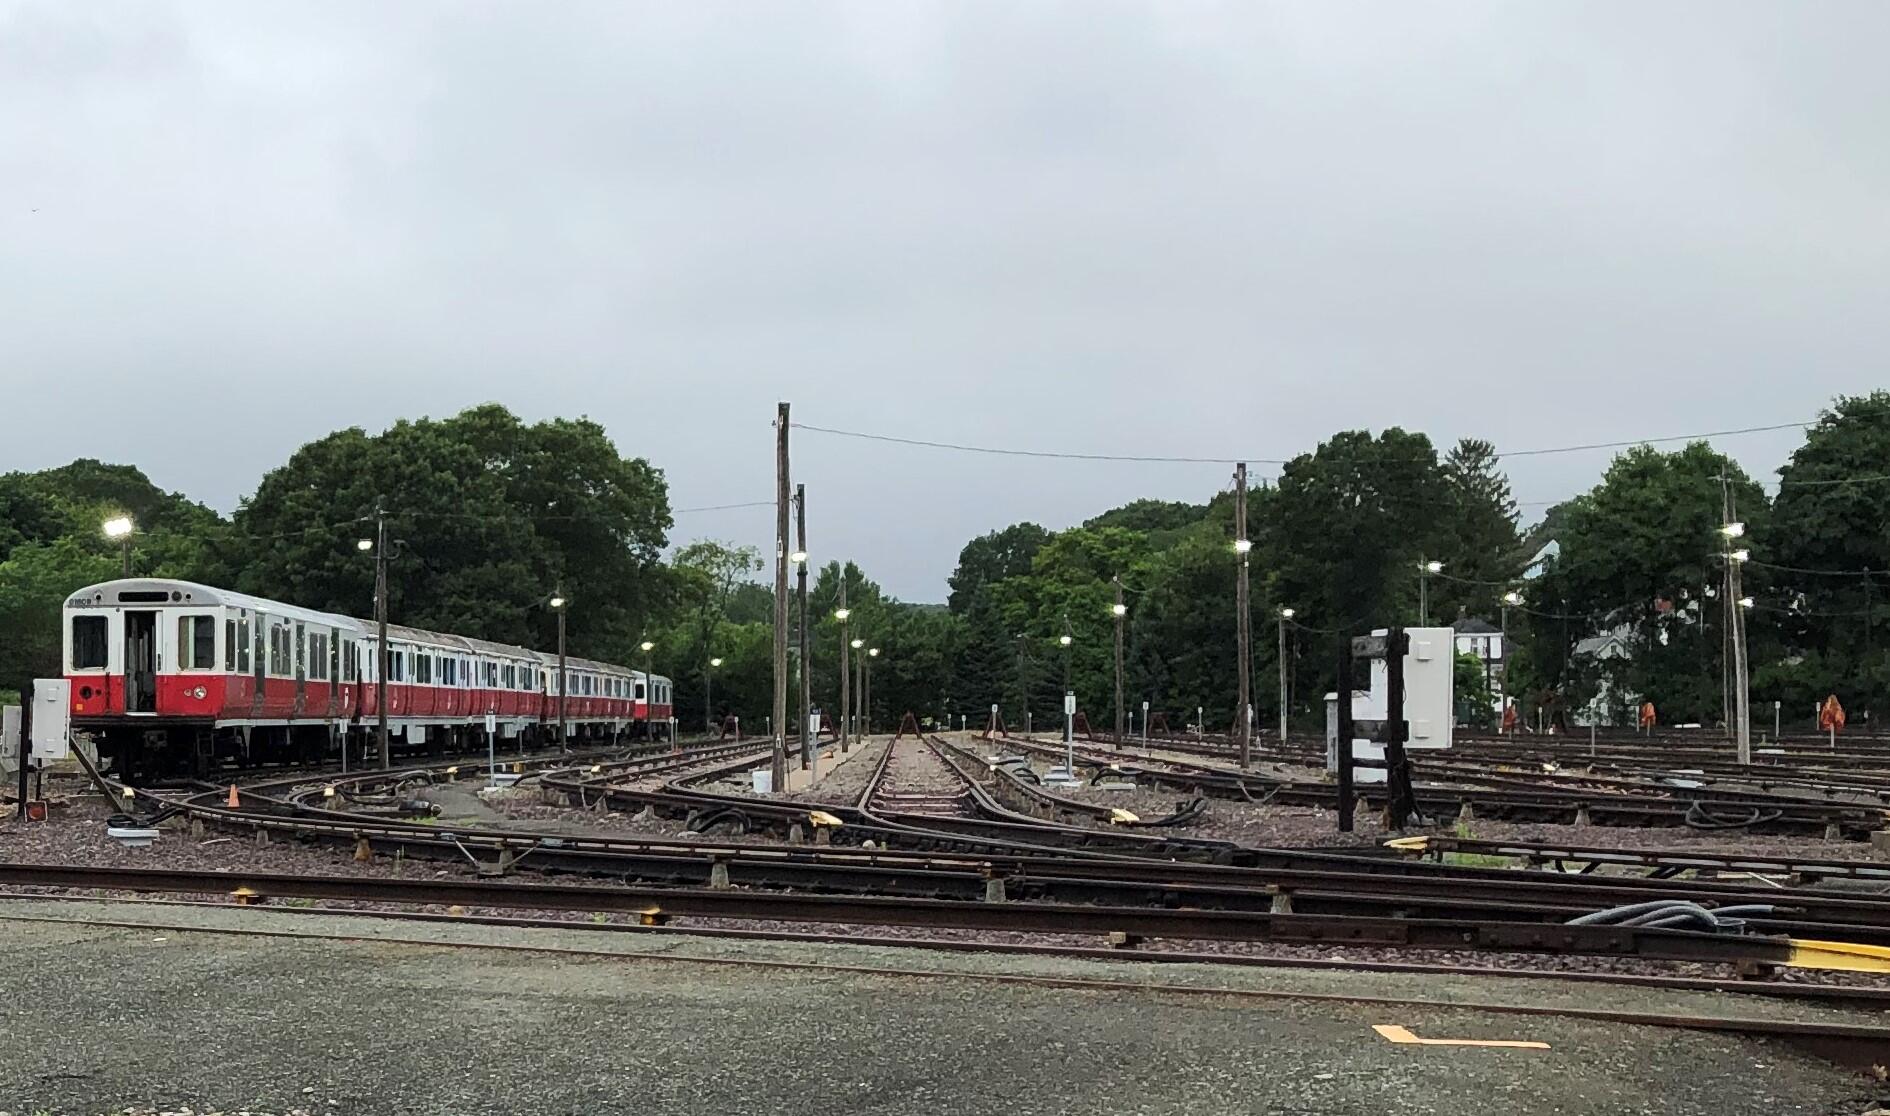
[232,801]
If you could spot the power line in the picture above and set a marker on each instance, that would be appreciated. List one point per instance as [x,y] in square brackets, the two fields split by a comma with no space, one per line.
[1003,451]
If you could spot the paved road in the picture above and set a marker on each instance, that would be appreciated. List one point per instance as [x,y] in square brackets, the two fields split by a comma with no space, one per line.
[110,1019]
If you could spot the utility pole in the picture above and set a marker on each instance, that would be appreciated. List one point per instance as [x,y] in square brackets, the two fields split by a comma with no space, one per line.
[846,707]
[1243,622]
[800,562]
[380,624]
[778,724]
[1119,610]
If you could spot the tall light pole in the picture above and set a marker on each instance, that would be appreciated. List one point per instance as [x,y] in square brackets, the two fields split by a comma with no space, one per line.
[1069,697]
[649,689]
[1243,621]
[1118,610]
[1735,558]
[799,558]
[1425,570]
[866,692]
[1285,615]
[708,696]
[118,529]
[1511,599]
[846,710]
[559,602]
[859,668]
[382,555]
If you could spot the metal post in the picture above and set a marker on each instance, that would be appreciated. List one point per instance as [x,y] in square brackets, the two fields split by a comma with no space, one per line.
[807,682]
[1423,592]
[649,695]
[1343,734]
[859,688]
[125,568]
[1282,680]
[26,741]
[1243,622]
[708,698]
[1742,713]
[1120,611]
[777,723]
[561,671]
[846,707]
[380,623]
[866,695]
[1023,685]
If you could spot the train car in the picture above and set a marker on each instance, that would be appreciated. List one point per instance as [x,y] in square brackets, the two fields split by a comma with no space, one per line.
[171,676]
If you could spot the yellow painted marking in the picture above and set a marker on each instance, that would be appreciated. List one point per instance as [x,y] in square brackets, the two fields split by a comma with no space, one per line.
[1848,956]
[1119,816]
[328,792]
[823,818]
[1408,844]
[1395,1033]
[452,771]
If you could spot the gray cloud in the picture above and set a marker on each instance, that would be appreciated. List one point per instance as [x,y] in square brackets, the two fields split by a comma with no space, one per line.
[1163,228]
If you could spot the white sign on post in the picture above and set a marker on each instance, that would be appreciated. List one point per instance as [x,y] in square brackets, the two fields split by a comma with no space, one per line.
[52,720]
[1069,705]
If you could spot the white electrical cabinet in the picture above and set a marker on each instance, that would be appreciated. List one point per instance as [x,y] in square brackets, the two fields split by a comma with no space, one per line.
[1429,694]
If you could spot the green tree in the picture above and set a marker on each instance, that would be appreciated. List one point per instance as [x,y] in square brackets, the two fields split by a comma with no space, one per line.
[1640,554]
[494,516]
[1827,549]
[991,558]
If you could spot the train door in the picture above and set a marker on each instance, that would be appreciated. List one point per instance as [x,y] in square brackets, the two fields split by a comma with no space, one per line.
[141,634]
[301,669]
[261,663]
[334,672]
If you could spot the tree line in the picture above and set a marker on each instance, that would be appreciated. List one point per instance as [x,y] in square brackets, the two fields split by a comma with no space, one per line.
[492,517]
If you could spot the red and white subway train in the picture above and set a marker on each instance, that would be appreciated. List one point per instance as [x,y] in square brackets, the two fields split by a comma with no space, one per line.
[172,676]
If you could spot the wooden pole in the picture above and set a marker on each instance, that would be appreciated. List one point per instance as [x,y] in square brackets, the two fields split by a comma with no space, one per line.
[777,725]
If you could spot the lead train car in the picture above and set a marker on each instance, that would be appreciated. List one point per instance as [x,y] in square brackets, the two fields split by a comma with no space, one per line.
[172,676]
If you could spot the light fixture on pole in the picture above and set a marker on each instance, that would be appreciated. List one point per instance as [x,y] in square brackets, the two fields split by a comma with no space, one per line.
[1733,530]
[708,695]
[118,529]
[558,605]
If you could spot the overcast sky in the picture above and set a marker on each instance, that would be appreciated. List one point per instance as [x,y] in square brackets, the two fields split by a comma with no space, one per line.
[1163,228]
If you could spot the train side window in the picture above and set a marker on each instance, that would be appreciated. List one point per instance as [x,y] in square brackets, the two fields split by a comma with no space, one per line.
[196,643]
[242,645]
[89,645]
[229,646]
[347,660]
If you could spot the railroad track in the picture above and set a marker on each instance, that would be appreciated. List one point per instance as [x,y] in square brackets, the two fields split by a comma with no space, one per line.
[1516,800]
[1016,860]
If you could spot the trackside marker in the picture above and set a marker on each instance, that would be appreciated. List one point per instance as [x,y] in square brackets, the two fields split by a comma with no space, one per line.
[1395,1033]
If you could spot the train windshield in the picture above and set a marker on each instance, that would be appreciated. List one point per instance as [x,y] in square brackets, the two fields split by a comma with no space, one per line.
[88,643]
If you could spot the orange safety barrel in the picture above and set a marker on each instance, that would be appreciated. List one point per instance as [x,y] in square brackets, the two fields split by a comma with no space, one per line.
[1831,714]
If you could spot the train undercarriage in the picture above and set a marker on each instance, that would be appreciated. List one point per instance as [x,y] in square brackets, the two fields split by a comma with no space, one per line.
[144,752]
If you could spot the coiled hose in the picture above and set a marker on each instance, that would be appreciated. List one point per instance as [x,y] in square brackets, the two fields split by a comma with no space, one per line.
[1699,817]
[1677,914]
